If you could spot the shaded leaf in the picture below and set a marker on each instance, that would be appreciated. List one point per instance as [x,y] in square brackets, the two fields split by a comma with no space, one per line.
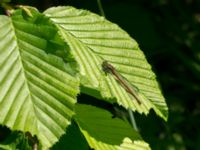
[104,132]
[15,140]
[73,139]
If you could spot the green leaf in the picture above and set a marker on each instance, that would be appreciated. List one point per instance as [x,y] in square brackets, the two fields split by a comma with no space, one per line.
[92,40]
[7,147]
[104,132]
[136,145]
[15,140]
[37,90]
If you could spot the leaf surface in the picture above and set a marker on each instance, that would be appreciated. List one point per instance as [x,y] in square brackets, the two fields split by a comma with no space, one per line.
[103,132]
[37,90]
[93,40]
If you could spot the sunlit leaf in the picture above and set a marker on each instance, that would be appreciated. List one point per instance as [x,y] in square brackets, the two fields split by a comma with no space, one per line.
[93,40]
[37,90]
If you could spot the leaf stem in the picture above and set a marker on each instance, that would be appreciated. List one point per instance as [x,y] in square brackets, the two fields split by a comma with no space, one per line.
[131,115]
[35,146]
[109,68]
[132,118]
[33,140]
[8,8]
[101,8]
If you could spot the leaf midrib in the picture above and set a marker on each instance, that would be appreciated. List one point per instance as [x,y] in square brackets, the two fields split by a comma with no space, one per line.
[23,71]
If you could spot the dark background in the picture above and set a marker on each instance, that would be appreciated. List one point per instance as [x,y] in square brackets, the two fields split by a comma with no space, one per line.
[168,32]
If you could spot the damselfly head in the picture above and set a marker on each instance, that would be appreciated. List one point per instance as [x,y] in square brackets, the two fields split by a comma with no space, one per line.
[106,66]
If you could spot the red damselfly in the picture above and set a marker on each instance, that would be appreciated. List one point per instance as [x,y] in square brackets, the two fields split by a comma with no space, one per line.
[108,68]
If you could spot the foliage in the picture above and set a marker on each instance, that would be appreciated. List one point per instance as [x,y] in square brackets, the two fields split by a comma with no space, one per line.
[93,40]
[168,33]
[160,41]
[37,92]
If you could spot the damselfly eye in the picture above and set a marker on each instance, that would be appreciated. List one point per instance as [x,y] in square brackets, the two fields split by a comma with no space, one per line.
[105,66]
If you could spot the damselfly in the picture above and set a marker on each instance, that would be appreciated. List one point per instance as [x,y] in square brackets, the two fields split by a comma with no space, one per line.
[108,68]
